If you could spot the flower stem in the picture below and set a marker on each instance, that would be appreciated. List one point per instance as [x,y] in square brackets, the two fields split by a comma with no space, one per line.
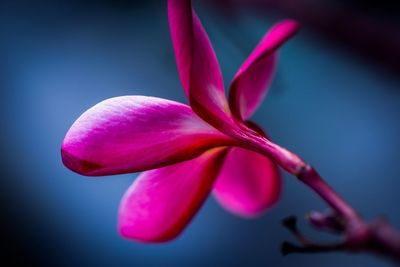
[313,180]
[377,237]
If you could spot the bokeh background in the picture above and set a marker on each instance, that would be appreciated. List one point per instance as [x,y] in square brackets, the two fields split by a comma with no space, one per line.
[335,101]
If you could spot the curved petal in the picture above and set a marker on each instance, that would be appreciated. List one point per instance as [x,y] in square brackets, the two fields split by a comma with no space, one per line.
[251,82]
[198,66]
[135,133]
[160,203]
[248,183]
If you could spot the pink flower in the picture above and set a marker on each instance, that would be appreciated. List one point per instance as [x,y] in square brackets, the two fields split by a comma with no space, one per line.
[186,151]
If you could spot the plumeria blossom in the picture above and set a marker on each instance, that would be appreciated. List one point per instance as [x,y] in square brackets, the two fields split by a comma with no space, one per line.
[186,151]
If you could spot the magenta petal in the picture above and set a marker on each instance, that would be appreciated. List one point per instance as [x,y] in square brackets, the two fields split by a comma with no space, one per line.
[198,66]
[135,133]
[248,183]
[160,203]
[251,82]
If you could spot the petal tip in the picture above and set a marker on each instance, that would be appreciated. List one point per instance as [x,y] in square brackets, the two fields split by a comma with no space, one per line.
[127,231]
[83,167]
[247,212]
[292,23]
[289,26]
[248,185]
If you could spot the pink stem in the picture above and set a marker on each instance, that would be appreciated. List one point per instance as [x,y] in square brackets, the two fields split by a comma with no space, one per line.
[312,179]
[377,237]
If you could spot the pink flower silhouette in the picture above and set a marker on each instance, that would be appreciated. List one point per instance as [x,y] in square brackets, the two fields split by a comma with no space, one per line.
[186,151]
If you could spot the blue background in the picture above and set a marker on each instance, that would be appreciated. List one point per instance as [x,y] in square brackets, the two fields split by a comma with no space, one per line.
[337,110]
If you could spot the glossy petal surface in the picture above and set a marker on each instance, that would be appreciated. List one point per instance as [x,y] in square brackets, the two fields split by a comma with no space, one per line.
[136,133]
[251,82]
[198,66]
[248,183]
[160,203]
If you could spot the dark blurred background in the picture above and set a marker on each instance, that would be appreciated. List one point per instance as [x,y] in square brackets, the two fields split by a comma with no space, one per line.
[335,101]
